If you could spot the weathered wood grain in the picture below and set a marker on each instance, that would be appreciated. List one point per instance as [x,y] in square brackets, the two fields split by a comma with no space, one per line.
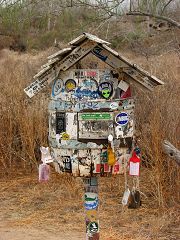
[171,151]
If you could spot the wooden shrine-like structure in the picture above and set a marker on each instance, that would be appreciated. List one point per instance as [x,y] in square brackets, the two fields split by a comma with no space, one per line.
[91,114]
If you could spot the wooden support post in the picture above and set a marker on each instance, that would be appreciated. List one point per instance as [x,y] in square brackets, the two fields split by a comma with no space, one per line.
[91,208]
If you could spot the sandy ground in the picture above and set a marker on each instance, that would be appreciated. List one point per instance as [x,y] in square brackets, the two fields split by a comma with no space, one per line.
[32,211]
[29,233]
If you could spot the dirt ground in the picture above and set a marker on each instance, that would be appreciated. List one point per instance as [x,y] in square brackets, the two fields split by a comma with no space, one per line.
[33,211]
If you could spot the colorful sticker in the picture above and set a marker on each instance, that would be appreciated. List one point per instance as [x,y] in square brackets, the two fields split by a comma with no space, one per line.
[105,89]
[91,200]
[122,118]
[96,116]
[65,136]
[70,85]
[57,86]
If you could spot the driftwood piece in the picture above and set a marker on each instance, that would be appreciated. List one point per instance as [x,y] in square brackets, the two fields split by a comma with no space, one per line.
[171,151]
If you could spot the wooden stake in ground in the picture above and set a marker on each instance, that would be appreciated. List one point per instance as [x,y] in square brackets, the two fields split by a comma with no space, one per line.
[91,208]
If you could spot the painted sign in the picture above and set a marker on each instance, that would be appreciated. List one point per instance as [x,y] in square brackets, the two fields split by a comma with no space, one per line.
[122,118]
[36,87]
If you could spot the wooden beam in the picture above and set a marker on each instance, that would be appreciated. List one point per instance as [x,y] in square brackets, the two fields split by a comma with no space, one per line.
[171,151]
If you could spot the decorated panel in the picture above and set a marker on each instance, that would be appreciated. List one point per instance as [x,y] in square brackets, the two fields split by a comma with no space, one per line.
[91,122]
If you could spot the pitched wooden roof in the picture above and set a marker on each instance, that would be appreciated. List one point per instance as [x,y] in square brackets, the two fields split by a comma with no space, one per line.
[78,49]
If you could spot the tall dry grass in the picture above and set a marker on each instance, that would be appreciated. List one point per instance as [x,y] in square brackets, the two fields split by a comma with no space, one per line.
[24,123]
[157,119]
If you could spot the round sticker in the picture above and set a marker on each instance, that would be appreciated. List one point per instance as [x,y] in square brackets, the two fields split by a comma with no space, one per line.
[122,118]
[93,227]
[65,136]
[70,85]
[105,89]
[114,105]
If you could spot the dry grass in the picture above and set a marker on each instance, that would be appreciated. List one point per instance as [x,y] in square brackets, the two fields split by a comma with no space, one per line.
[23,128]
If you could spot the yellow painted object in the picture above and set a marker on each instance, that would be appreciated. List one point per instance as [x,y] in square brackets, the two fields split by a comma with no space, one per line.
[111,156]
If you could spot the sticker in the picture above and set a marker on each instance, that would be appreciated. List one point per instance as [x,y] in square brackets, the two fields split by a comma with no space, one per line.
[96,116]
[122,118]
[93,227]
[92,215]
[45,155]
[114,105]
[65,136]
[60,122]
[57,86]
[119,132]
[70,85]
[67,164]
[97,51]
[105,89]
[91,200]
[123,85]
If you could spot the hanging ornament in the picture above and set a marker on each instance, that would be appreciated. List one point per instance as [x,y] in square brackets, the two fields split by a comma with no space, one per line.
[111,156]
[44,171]
[134,165]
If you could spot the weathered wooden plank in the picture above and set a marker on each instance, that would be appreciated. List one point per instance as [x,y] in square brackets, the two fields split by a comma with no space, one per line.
[40,83]
[171,151]
[60,53]
[77,54]
[77,107]
[107,57]
[84,36]
[139,78]
[50,63]
[48,74]
[42,72]
[113,59]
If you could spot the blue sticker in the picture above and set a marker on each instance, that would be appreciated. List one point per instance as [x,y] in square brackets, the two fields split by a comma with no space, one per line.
[81,93]
[57,87]
[122,118]
[97,52]
[91,206]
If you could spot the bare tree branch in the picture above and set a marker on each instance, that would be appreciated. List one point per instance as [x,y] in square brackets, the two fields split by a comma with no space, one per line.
[165,6]
[167,19]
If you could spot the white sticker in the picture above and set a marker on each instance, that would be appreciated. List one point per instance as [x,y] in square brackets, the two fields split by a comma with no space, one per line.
[114,105]
[123,85]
